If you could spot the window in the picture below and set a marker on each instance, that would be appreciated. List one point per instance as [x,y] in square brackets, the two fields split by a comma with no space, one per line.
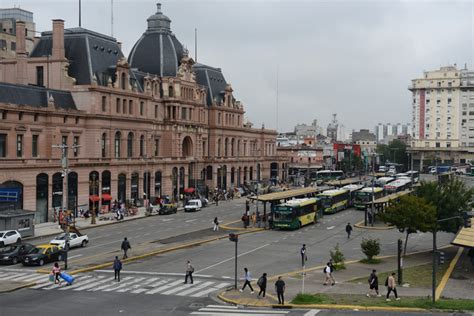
[156,110]
[130,145]
[3,44]
[76,146]
[449,100]
[104,103]
[13,46]
[130,106]
[103,141]
[77,120]
[218,118]
[183,114]
[448,144]
[117,145]
[123,80]
[142,107]
[19,145]
[3,145]
[20,116]
[40,76]
[65,119]
[117,105]
[438,145]
[35,117]
[142,146]
[4,115]
[124,106]
[170,91]
[34,146]
[439,84]
[157,147]
[64,140]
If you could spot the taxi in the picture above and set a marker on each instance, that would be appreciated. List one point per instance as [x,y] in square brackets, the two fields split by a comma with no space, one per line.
[42,254]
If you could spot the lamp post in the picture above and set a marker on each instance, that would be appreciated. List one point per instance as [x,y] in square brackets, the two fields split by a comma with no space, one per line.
[93,184]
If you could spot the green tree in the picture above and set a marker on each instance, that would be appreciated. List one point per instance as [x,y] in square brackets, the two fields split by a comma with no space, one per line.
[337,257]
[395,151]
[370,247]
[411,214]
[449,198]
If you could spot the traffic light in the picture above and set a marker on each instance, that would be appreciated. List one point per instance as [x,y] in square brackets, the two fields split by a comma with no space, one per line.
[234,237]
[441,257]
[467,220]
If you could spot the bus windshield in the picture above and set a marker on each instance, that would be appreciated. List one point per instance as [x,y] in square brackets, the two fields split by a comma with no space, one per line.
[326,201]
[363,196]
[283,215]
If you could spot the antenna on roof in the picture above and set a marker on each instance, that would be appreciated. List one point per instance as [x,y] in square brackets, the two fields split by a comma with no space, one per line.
[112,18]
[195,45]
[80,13]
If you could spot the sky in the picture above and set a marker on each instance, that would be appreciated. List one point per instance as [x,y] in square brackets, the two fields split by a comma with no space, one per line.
[353,58]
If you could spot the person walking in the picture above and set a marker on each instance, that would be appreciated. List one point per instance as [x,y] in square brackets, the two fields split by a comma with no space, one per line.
[117,267]
[254,220]
[304,257]
[373,283]
[348,230]
[125,246]
[391,284]
[247,207]
[216,225]
[216,199]
[56,272]
[262,284]
[247,278]
[280,289]
[189,273]
[328,270]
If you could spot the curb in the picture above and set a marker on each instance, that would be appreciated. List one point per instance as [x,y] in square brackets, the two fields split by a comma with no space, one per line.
[447,274]
[362,226]
[19,287]
[324,306]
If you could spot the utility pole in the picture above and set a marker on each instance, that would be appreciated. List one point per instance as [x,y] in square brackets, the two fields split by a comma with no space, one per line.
[235,238]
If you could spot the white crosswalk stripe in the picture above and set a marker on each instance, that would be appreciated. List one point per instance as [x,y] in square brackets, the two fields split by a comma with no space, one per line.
[227,310]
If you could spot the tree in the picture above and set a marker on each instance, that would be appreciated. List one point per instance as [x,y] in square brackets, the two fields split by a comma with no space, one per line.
[411,214]
[450,198]
[395,151]
[337,257]
[370,247]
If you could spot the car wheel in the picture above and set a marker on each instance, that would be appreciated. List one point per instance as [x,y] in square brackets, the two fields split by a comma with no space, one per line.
[18,240]
[83,244]
[41,262]
[15,260]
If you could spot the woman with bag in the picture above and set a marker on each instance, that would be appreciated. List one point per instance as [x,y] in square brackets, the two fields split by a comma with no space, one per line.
[56,271]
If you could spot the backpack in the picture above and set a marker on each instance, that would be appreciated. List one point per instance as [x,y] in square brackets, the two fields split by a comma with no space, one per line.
[260,281]
[386,281]
[192,269]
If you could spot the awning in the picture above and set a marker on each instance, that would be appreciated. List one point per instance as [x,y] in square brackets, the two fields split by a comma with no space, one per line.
[465,238]
[106,197]
[94,198]
[189,190]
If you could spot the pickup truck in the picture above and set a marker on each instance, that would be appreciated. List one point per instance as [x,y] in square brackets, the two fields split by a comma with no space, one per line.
[76,239]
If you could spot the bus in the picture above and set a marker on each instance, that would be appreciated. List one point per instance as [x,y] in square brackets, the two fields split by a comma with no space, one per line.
[397,185]
[295,213]
[353,189]
[380,182]
[326,175]
[415,175]
[365,196]
[333,201]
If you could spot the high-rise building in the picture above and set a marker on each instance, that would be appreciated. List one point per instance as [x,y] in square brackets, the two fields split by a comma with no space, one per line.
[332,130]
[386,132]
[8,19]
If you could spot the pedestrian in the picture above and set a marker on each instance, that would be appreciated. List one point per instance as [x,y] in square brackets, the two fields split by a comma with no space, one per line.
[216,225]
[328,270]
[304,257]
[373,283]
[254,220]
[280,289]
[247,278]
[56,272]
[189,273]
[117,267]
[262,284]
[348,230]
[391,285]
[125,247]
[245,220]
[216,199]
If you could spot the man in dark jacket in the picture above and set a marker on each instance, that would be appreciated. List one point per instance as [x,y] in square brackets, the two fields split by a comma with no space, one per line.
[373,283]
[280,289]
[125,247]
[117,267]
[304,257]
[348,230]
[262,284]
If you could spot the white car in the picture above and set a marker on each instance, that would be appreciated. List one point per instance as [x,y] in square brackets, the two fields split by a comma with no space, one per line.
[9,237]
[75,240]
[193,206]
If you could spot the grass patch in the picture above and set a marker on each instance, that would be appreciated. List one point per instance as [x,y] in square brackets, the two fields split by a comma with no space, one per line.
[371,261]
[417,276]
[362,300]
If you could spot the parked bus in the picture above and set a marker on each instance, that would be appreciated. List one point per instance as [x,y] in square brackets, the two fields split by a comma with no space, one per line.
[365,196]
[326,175]
[333,201]
[397,185]
[353,189]
[295,213]
[380,182]
[414,175]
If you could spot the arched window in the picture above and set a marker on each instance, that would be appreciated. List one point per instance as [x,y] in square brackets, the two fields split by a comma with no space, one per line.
[187,147]
[130,145]
[118,137]
[218,148]
[226,147]
[232,147]
[123,81]
[170,91]
[142,146]
[103,142]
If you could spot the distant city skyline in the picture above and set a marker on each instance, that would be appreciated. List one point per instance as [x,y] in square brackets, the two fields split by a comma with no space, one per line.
[360,69]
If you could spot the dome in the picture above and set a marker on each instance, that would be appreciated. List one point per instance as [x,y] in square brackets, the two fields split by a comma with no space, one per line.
[158,51]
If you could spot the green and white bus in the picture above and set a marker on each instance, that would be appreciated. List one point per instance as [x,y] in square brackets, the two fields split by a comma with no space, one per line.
[365,196]
[295,213]
[327,175]
[333,201]
[353,189]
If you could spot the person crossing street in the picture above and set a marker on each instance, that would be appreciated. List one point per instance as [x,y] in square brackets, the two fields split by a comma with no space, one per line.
[280,289]
[189,273]
[125,246]
[216,225]
[348,230]
[117,268]
[248,279]
[304,257]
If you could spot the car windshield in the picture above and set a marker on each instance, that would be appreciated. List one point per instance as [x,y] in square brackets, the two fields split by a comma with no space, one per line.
[8,249]
[37,250]
[192,203]
[2,234]
[61,237]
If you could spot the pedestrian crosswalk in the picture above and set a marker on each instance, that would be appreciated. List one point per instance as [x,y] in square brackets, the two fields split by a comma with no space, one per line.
[227,310]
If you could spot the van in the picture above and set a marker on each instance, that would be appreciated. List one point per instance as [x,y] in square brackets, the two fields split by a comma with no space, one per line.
[193,206]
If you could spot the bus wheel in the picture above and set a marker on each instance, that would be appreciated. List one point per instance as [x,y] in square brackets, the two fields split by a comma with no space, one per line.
[299,225]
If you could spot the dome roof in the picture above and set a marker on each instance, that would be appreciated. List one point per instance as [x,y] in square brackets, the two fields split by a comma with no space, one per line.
[158,51]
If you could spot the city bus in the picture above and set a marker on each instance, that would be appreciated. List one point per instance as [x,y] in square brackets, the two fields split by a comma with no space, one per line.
[295,213]
[397,185]
[380,182]
[333,201]
[415,175]
[365,196]
[327,175]
[353,189]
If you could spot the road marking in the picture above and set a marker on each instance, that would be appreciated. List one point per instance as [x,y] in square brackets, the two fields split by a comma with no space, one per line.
[330,227]
[195,288]
[190,220]
[179,288]
[156,273]
[160,283]
[210,290]
[112,283]
[75,256]
[15,275]
[137,286]
[164,287]
[80,282]
[120,285]
[312,312]
[232,258]
[167,219]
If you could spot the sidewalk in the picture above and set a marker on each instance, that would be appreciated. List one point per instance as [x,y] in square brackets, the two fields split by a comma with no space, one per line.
[345,284]
[461,281]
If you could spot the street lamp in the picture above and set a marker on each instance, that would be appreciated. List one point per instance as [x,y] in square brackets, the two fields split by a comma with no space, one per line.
[93,184]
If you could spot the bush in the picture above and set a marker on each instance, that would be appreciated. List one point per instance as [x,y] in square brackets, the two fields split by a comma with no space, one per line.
[337,257]
[370,247]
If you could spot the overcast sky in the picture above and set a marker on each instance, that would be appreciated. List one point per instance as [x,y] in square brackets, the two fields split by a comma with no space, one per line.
[353,58]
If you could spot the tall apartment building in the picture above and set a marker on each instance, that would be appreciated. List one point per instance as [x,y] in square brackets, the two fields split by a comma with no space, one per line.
[8,19]
[441,118]
[385,132]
